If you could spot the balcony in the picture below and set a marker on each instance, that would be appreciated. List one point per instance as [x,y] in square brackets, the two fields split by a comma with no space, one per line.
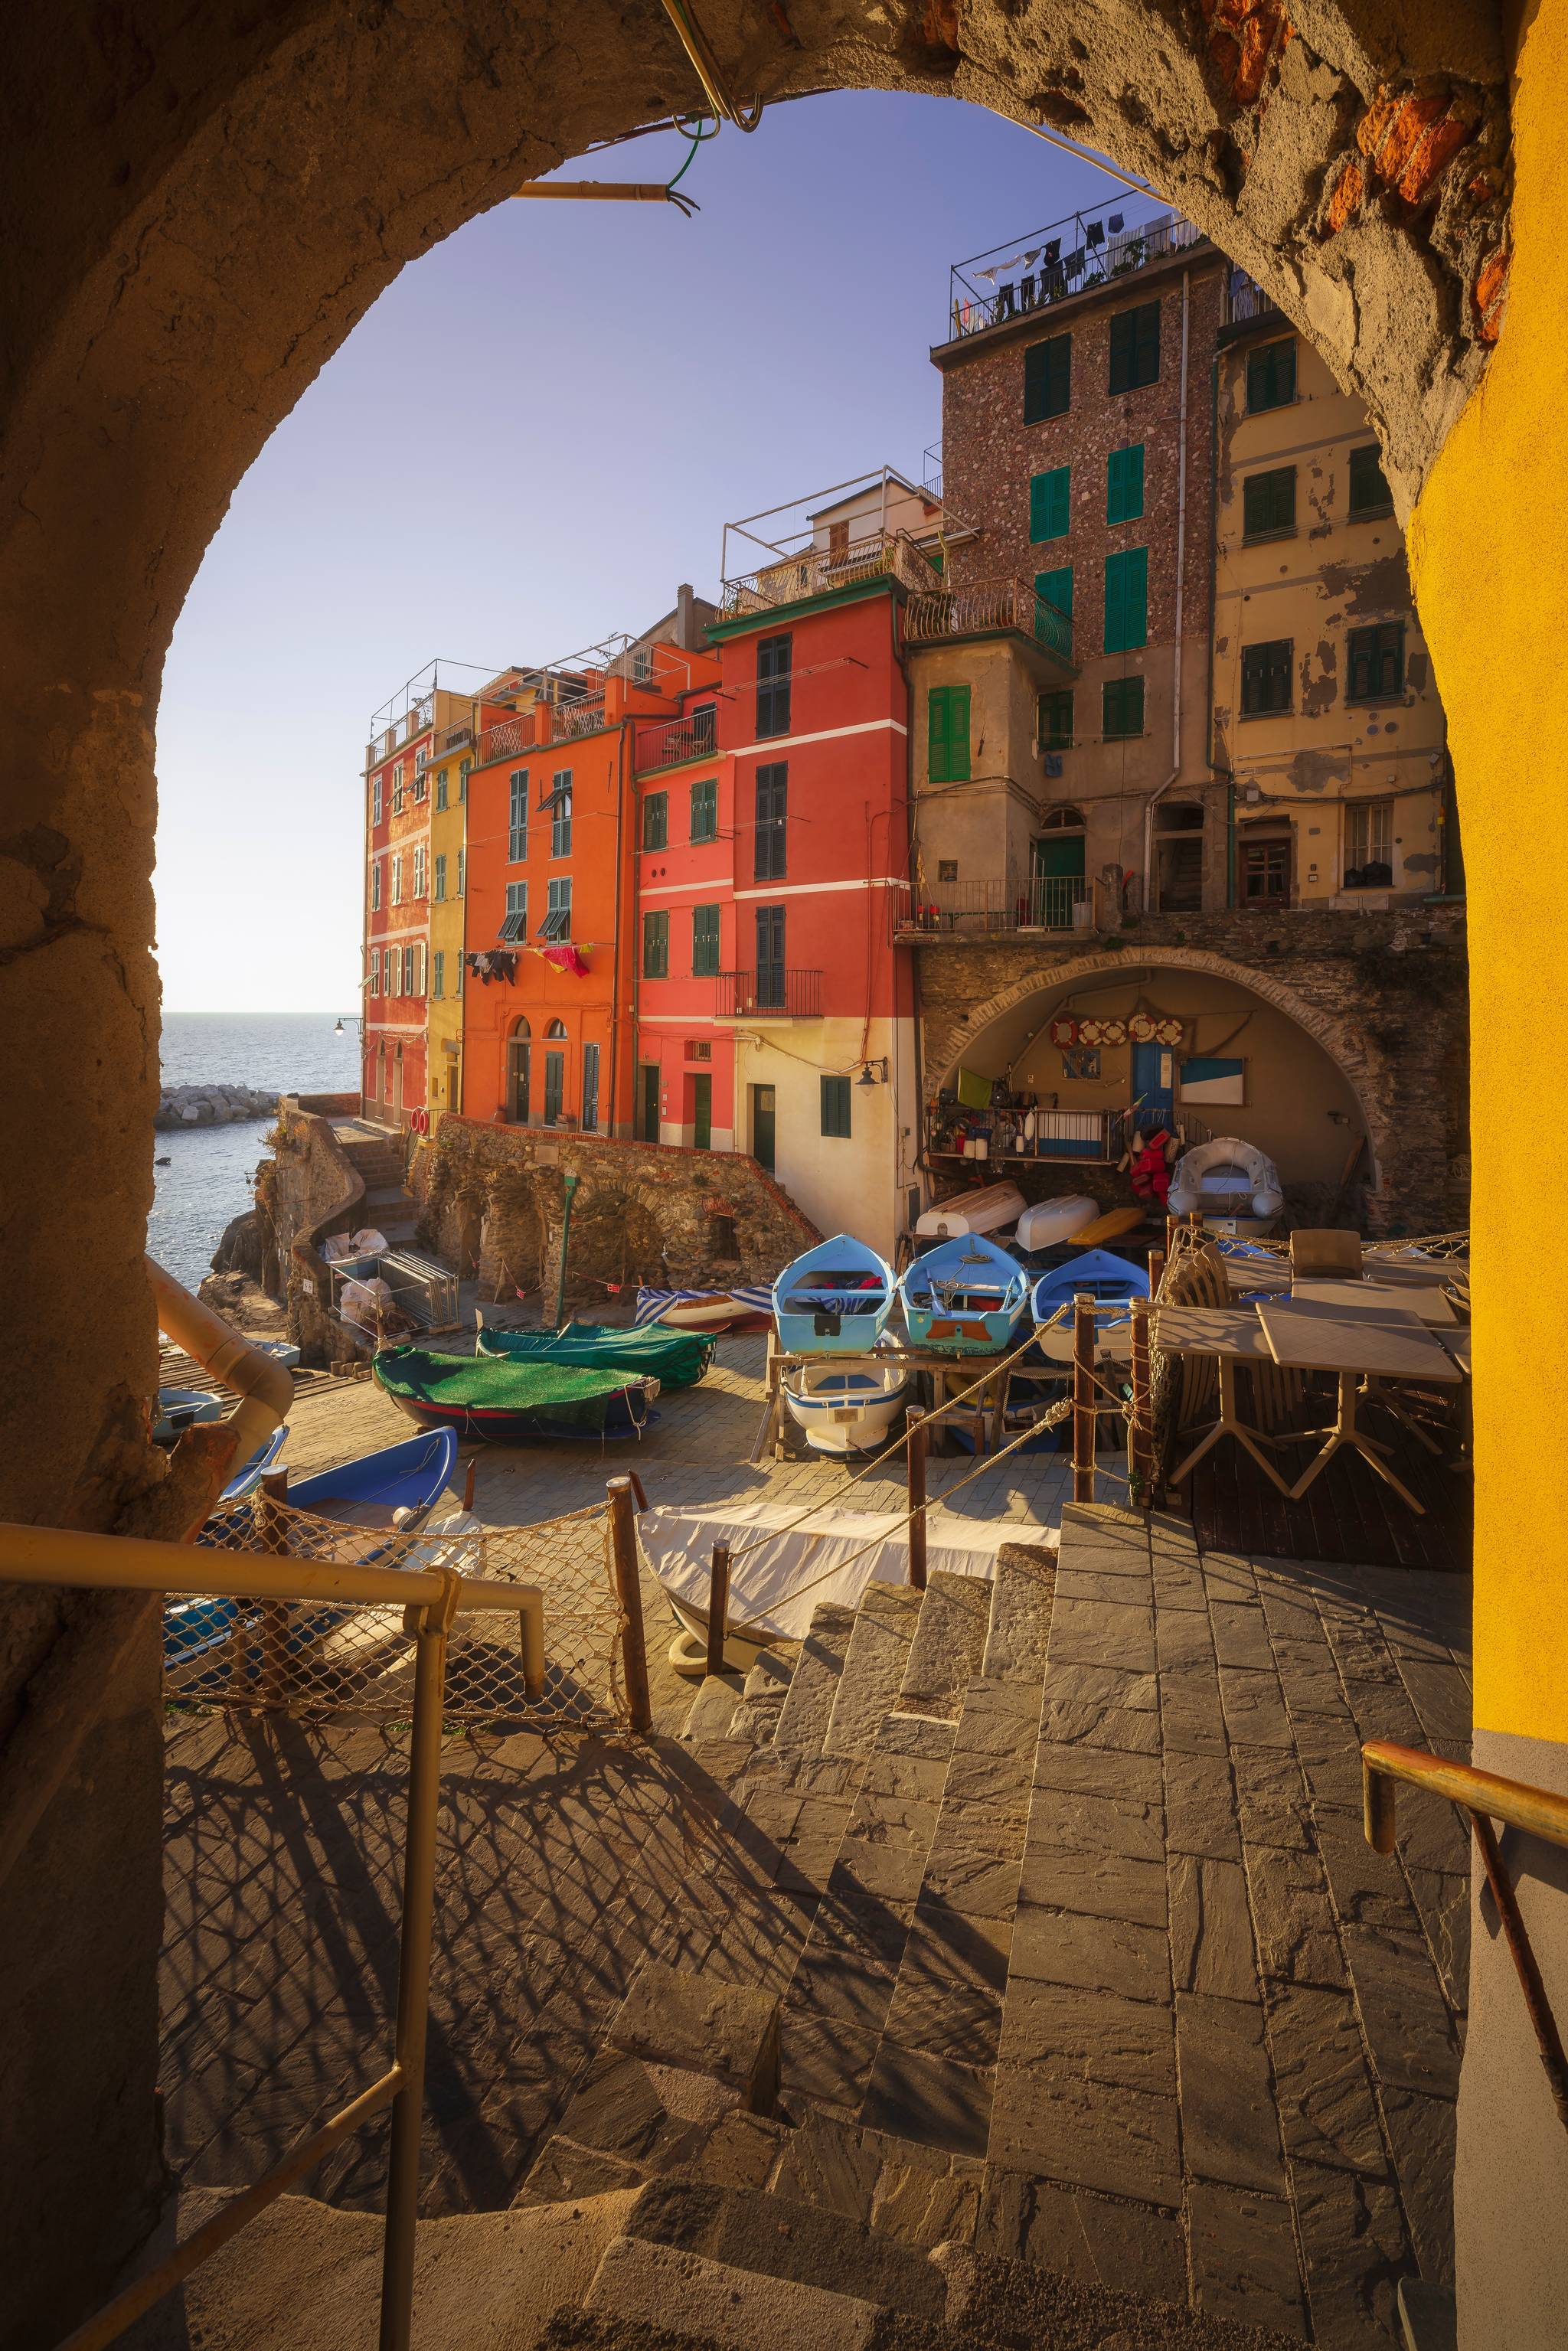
[1095,1137]
[1057,902]
[1073,256]
[944,613]
[1246,300]
[695,737]
[569,719]
[772,993]
[453,739]
[819,570]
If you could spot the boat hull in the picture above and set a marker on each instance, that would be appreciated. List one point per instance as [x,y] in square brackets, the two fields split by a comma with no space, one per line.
[965,1297]
[1049,1222]
[833,1300]
[844,1412]
[963,1335]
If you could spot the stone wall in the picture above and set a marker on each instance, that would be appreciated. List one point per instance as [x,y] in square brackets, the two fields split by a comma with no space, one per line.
[492,1200]
[308,1189]
[1385,995]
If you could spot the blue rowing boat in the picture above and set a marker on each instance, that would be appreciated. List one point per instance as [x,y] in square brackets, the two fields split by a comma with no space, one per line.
[834,1301]
[1097,1273]
[964,1298]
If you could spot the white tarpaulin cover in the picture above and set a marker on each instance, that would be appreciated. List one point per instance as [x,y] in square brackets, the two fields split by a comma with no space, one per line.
[774,1587]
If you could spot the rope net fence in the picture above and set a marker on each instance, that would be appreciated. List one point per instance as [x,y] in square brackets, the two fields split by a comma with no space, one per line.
[331,1660]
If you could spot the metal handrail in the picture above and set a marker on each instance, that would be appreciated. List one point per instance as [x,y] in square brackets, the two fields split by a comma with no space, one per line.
[434,1598]
[1486,1796]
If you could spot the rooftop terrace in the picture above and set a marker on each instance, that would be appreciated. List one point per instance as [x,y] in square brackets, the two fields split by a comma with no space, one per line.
[1074,255]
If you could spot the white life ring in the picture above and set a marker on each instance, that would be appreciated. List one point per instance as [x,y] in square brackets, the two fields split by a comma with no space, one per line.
[1187,1191]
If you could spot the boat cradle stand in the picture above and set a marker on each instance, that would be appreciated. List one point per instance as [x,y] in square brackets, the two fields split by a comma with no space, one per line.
[983,1417]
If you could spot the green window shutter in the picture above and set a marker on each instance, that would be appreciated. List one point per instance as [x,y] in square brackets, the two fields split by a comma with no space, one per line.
[657,820]
[1124,483]
[947,734]
[705,941]
[1127,599]
[1122,708]
[836,1105]
[1056,587]
[1272,377]
[704,809]
[1047,379]
[1056,720]
[936,732]
[1136,348]
[1369,490]
[1051,504]
[1269,503]
[655,947]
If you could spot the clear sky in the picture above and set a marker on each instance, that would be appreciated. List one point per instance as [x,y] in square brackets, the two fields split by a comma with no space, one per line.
[533,436]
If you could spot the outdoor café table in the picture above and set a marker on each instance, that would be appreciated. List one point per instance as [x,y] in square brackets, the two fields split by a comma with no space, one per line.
[1371,1346]
[1245,1273]
[1387,1299]
[1232,1336]
[1418,1273]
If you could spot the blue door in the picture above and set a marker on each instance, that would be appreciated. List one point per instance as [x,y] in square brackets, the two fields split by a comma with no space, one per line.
[1154,1076]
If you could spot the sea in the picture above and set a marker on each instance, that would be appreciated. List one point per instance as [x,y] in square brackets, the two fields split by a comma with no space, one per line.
[211,1173]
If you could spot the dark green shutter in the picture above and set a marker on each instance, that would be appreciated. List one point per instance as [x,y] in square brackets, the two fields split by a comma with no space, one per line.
[1051,504]
[1056,721]
[1127,599]
[1272,377]
[1122,708]
[947,734]
[1047,379]
[705,941]
[1124,483]
[936,729]
[1268,502]
[655,947]
[1136,347]
[1369,490]
[1056,587]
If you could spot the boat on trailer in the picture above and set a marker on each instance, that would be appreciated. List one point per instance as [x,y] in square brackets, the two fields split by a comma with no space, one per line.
[845,1407]
[964,1298]
[504,1401]
[833,1300]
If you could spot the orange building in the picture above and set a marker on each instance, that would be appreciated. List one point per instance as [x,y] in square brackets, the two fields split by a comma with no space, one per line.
[549,989]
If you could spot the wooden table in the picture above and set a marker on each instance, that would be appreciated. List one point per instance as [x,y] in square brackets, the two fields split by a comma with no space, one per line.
[1391,1300]
[1258,1272]
[1417,1273]
[1232,1336]
[1368,1347]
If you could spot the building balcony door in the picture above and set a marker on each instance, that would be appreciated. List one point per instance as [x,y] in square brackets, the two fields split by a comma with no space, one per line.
[555,1087]
[762,1126]
[518,1054]
[702,1114]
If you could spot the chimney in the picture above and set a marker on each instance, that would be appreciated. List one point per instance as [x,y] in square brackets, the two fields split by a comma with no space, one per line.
[685,621]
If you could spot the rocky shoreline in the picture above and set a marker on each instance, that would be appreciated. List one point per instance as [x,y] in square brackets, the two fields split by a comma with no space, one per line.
[211,1106]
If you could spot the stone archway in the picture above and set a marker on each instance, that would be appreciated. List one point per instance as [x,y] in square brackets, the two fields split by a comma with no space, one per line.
[1344,1048]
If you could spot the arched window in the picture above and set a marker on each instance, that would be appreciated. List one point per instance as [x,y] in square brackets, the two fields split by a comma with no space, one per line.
[520,1027]
[556,1028]
[1179,816]
[1064,819]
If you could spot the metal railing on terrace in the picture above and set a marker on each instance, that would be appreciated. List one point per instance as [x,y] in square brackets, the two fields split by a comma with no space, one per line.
[1245,299]
[940,612]
[1049,902]
[1071,257]
[695,737]
[570,718]
[817,570]
[769,993]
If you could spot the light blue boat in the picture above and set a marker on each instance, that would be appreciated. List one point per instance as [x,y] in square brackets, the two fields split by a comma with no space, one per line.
[964,1297]
[834,1301]
[249,1475]
[1097,1272]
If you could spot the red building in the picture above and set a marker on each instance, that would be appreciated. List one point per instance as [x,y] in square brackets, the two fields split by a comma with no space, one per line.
[687,935]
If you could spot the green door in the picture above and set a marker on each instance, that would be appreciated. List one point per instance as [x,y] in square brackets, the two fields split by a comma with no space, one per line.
[648,1103]
[1058,884]
[762,1126]
[702,1114]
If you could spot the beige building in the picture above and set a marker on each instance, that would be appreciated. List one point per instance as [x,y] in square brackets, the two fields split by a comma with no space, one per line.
[1327,724]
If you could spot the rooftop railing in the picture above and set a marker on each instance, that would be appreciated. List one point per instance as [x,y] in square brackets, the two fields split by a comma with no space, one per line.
[695,737]
[817,570]
[968,612]
[1072,257]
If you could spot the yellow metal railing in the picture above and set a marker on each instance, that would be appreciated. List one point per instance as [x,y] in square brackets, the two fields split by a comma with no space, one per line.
[431,1599]
[1486,1797]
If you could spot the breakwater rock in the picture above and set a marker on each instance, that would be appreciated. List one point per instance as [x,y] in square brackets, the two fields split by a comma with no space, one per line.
[213,1105]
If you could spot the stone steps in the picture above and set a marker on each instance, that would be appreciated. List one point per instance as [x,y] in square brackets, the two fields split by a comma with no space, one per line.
[874,1668]
[802,1724]
[949,1640]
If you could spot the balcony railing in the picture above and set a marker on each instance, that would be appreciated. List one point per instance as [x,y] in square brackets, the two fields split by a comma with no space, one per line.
[772,993]
[1071,257]
[818,571]
[988,605]
[508,739]
[451,739]
[572,718]
[695,737]
[1245,299]
[1050,902]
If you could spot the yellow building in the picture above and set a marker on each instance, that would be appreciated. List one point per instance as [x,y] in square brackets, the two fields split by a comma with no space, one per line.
[1327,721]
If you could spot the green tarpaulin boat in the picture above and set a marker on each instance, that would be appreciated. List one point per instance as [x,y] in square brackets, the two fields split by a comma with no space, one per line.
[676,1359]
[507,1401]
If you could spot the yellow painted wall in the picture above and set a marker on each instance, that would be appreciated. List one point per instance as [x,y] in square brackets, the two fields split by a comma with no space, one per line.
[1485,546]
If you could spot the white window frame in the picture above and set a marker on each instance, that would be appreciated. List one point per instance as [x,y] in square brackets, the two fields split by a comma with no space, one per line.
[397,789]
[408,975]
[420,863]
[515,917]
[373,975]
[1360,846]
[558,904]
[375,886]
[378,798]
[397,881]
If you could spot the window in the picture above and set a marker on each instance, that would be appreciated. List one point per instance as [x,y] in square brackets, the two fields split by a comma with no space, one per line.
[462,870]
[947,869]
[457,974]
[421,782]
[769,956]
[376,801]
[440,890]
[1127,599]
[375,886]
[441,788]
[1121,708]
[557,924]
[838,542]
[947,734]
[590,1088]
[704,809]
[438,972]
[657,820]
[560,814]
[656,947]
[705,941]
[397,881]
[772,798]
[462,768]
[1124,483]
[1269,503]
[1271,377]
[397,789]
[773,656]
[1369,845]
[1265,876]
[835,1106]
[518,817]
[699,1049]
[1047,379]
[1369,491]
[1265,677]
[555,1087]
[419,863]
[1376,667]
[1053,720]
[1136,347]
[374,982]
[408,979]
[514,921]
[1051,504]
[1056,588]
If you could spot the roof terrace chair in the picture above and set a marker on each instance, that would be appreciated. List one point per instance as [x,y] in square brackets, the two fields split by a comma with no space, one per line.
[1325,1253]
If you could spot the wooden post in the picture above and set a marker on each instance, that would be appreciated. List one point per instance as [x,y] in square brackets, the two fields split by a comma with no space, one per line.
[274,1612]
[468,1481]
[717,1608]
[629,1591]
[915,1421]
[1082,1398]
[1156,1271]
[1141,1434]
[1173,1226]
